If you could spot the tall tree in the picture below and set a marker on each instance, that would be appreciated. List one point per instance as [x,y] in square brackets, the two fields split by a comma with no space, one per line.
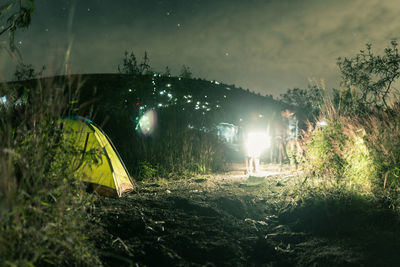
[373,76]
[186,72]
[305,102]
[167,72]
[26,72]
[131,66]
[17,15]
[144,66]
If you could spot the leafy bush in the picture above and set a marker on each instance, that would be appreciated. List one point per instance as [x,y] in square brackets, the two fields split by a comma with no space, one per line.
[360,146]
[383,140]
[27,72]
[146,170]
[360,152]
[324,148]
[305,102]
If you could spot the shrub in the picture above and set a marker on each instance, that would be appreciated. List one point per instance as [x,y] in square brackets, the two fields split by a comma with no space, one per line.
[359,169]
[178,150]
[361,152]
[361,144]
[146,170]
[44,211]
[383,140]
[172,148]
[323,151]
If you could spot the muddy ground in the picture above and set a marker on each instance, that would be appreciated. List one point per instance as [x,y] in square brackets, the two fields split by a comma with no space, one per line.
[235,220]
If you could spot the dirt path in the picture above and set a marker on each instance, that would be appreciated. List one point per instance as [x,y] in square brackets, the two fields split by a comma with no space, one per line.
[226,220]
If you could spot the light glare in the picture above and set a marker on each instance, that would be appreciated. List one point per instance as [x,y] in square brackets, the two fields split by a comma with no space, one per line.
[256,143]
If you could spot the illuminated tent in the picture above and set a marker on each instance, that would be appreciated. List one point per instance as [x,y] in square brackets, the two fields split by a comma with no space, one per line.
[97,160]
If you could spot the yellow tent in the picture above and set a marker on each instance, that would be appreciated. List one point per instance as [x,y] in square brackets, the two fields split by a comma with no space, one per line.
[99,161]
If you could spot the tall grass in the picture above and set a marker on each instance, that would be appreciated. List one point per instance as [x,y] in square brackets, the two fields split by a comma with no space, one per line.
[173,149]
[43,208]
[361,151]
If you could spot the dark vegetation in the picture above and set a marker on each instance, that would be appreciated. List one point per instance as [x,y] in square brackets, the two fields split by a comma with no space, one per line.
[187,110]
[43,207]
[342,211]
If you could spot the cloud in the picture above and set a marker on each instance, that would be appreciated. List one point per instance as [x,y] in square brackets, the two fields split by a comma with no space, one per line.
[266,46]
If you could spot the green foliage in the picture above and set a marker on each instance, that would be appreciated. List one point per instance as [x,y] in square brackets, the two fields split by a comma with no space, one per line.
[173,148]
[306,102]
[360,146]
[324,148]
[26,72]
[373,76]
[346,102]
[167,72]
[18,16]
[176,149]
[43,208]
[146,170]
[383,140]
[359,169]
[362,152]
[186,72]
[132,67]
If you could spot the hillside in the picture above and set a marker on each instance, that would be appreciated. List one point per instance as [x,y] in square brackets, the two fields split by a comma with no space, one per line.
[200,97]
[111,93]
[117,101]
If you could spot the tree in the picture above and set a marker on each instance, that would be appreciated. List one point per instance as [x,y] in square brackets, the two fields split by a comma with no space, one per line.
[26,72]
[306,102]
[17,16]
[185,72]
[373,76]
[131,66]
[167,72]
[144,67]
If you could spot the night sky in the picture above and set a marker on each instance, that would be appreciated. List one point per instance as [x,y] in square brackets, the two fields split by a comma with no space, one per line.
[267,46]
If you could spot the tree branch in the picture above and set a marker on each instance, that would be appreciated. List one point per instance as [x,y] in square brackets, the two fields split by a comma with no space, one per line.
[6,29]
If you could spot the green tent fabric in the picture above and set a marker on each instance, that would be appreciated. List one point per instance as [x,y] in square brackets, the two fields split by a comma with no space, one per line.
[99,162]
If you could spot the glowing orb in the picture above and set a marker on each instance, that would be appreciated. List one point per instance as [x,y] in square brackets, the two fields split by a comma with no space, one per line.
[147,122]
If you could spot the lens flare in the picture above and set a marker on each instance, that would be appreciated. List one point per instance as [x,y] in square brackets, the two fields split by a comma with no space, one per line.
[147,122]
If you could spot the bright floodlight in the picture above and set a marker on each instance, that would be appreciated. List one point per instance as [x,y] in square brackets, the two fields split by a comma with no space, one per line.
[256,143]
[147,122]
